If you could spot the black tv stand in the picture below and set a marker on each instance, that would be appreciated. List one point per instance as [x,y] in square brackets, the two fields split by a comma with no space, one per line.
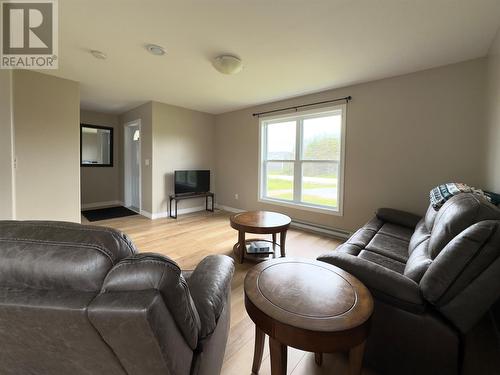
[179,197]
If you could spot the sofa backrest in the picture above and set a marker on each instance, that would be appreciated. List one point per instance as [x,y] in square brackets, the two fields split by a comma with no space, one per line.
[438,228]
[145,311]
[451,253]
[47,255]
[456,215]
[50,272]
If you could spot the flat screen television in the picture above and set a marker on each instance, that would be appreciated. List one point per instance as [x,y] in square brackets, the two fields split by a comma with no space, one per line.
[191,182]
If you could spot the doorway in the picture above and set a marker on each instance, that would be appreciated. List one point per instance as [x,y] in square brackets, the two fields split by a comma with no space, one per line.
[132,165]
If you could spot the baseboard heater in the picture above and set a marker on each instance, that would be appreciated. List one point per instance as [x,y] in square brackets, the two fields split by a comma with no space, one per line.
[337,233]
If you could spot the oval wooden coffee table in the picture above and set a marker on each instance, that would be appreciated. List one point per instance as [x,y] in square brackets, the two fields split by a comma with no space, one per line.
[309,305]
[259,222]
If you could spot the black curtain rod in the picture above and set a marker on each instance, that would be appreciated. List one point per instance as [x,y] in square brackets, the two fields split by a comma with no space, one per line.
[345,98]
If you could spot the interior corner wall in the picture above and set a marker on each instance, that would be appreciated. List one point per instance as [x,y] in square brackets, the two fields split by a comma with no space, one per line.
[46,112]
[7,199]
[404,136]
[144,113]
[182,139]
[493,119]
[103,185]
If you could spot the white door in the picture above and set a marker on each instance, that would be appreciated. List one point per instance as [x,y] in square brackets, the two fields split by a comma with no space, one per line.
[132,167]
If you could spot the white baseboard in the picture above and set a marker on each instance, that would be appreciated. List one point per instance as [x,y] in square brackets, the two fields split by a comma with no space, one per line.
[87,206]
[164,214]
[338,233]
[228,209]
[146,214]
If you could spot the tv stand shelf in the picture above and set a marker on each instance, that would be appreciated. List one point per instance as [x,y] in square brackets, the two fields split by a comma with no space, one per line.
[179,197]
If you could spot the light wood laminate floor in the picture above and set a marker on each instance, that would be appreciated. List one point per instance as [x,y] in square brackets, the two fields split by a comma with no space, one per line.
[192,237]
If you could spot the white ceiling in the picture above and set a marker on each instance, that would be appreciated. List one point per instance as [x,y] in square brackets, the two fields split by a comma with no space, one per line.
[289,47]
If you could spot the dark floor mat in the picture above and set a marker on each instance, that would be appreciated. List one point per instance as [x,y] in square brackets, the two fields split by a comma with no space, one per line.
[107,213]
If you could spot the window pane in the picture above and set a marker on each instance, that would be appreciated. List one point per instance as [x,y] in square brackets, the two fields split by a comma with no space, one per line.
[321,138]
[279,181]
[281,141]
[319,183]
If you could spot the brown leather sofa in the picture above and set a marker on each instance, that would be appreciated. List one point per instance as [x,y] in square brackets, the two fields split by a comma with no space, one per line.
[78,299]
[432,279]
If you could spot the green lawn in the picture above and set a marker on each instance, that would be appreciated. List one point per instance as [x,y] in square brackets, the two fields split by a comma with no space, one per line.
[314,199]
[275,187]
[278,184]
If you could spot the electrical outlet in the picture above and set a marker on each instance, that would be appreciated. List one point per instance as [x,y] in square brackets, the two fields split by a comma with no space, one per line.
[236,196]
[146,161]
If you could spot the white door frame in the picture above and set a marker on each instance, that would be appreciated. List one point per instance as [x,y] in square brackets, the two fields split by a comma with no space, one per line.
[126,150]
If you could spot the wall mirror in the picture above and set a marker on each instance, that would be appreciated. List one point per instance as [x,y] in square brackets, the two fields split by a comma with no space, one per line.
[96,146]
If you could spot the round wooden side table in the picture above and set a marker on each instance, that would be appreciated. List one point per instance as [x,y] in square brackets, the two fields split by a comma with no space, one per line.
[309,305]
[259,222]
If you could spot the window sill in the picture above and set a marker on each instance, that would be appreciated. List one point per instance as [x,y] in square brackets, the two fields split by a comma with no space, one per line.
[302,206]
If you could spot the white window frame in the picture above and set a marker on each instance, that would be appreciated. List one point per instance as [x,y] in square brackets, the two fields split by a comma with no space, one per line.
[299,117]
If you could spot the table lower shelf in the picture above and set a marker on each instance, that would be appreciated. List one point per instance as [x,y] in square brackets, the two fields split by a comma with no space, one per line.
[260,256]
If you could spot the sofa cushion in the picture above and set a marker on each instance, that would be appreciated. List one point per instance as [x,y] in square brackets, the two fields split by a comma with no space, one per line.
[429,217]
[382,260]
[396,231]
[418,262]
[421,234]
[389,246]
[361,237]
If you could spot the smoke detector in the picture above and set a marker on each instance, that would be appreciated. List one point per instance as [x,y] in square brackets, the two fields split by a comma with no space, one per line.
[98,54]
[155,49]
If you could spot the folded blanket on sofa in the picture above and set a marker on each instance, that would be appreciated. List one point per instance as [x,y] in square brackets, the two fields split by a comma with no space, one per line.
[440,194]
[493,197]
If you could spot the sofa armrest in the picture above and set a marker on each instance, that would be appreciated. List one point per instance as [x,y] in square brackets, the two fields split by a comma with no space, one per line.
[210,284]
[149,271]
[385,284]
[403,218]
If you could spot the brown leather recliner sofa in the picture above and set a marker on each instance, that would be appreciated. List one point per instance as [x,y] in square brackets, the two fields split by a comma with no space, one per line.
[78,299]
[432,279]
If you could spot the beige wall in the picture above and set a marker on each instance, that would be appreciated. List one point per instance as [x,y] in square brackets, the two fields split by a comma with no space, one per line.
[404,136]
[145,114]
[493,135]
[182,139]
[47,147]
[103,185]
[6,147]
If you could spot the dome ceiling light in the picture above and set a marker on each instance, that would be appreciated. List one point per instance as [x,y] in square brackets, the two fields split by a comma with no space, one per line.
[228,64]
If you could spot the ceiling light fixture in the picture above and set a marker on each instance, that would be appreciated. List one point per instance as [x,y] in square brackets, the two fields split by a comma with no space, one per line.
[155,49]
[228,64]
[98,54]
